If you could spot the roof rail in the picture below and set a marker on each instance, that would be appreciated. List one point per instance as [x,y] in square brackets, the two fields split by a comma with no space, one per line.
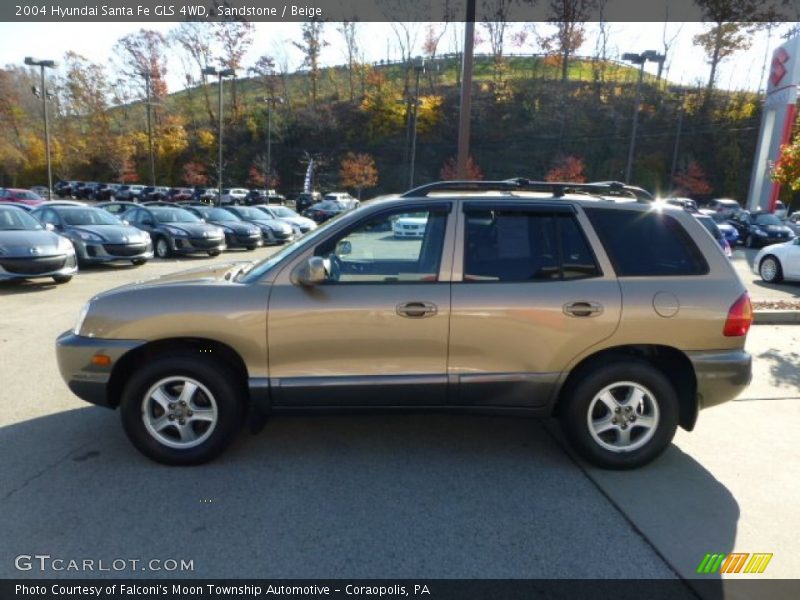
[521,184]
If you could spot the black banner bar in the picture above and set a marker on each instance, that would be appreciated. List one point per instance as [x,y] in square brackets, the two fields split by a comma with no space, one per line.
[365,10]
[432,589]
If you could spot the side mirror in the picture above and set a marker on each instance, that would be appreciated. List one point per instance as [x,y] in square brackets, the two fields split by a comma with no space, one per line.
[343,248]
[49,227]
[312,271]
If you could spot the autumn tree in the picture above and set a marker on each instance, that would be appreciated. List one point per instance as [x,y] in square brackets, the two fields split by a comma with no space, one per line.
[786,170]
[449,170]
[731,24]
[692,181]
[349,31]
[264,69]
[311,47]
[358,171]
[234,39]
[569,169]
[144,52]
[495,26]
[194,173]
[195,40]
[569,18]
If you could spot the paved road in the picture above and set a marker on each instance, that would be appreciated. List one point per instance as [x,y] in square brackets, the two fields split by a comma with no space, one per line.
[759,290]
[382,496]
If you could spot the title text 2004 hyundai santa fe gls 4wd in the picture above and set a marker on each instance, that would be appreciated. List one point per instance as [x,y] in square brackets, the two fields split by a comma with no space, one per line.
[620,317]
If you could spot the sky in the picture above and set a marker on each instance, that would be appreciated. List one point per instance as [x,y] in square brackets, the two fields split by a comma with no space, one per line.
[686,64]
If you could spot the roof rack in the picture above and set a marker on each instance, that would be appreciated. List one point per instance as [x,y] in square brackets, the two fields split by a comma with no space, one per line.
[520,184]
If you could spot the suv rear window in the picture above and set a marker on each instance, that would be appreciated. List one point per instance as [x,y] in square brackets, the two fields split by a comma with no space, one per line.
[642,244]
[515,246]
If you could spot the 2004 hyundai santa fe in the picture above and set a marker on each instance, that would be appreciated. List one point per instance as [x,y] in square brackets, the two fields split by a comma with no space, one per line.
[621,317]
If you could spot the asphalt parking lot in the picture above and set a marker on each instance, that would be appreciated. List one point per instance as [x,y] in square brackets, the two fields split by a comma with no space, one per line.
[403,496]
[759,290]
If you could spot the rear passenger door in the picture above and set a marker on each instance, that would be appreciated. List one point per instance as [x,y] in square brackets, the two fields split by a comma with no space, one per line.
[528,296]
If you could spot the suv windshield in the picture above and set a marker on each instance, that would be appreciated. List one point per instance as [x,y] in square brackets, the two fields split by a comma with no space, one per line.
[767,219]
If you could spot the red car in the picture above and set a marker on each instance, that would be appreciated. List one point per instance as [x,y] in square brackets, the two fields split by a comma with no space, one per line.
[179,194]
[18,196]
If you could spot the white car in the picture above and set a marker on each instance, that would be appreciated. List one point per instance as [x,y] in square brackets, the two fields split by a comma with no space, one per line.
[287,215]
[410,226]
[342,198]
[234,196]
[779,261]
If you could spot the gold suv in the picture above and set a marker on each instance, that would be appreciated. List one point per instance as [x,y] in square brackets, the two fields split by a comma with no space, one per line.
[588,302]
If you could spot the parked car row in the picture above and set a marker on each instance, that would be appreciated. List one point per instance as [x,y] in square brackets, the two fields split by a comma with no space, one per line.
[53,239]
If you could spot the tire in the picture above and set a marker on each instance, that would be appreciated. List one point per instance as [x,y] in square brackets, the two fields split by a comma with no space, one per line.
[770,269]
[591,398]
[251,248]
[162,247]
[215,394]
[214,252]
[62,278]
[749,241]
[139,261]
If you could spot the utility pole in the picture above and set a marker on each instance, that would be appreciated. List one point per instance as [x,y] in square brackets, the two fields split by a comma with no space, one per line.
[42,64]
[681,100]
[465,110]
[271,103]
[146,75]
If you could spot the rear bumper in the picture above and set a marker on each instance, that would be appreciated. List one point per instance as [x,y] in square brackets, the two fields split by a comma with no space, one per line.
[721,376]
[88,381]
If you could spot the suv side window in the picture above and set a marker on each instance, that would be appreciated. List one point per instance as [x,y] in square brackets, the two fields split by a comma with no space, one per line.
[642,244]
[515,245]
[382,250]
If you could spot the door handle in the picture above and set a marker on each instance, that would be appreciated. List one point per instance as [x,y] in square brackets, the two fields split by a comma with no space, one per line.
[583,309]
[416,310]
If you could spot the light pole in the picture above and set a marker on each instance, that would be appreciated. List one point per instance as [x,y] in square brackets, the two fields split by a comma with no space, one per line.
[419,68]
[271,101]
[638,59]
[146,75]
[42,64]
[221,73]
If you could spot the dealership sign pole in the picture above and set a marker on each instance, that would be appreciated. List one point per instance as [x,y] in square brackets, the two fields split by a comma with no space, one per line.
[780,109]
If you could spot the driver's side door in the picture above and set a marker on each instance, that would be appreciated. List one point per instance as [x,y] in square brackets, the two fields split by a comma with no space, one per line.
[375,332]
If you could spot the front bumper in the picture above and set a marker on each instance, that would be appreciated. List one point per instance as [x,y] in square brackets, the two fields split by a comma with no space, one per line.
[243,241]
[102,253]
[34,267]
[194,245]
[721,376]
[88,381]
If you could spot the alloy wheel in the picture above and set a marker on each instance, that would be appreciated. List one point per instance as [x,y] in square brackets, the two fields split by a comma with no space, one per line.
[623,416]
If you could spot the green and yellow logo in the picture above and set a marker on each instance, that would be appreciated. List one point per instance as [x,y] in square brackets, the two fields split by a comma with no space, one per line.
[737,562]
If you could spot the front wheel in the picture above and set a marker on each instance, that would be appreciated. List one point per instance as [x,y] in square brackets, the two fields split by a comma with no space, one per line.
[214,252]
[770,270]
[139,261]
[62,278]
[750,242]
[182,410]
[620,416]
[162,248]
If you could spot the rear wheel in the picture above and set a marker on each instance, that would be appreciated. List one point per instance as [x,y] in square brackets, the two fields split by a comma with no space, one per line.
[181,410]
[770,270]
[620,416]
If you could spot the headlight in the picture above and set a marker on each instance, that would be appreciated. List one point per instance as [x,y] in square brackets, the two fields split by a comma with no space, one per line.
[65,245]
[759,232]
[145,236]
[176,231]
[88,237]
[81,318]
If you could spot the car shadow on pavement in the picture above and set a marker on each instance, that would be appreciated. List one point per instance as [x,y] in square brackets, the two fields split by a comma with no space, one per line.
[784,367]
[375,496]
[791,288]
[17,286]
[678,506]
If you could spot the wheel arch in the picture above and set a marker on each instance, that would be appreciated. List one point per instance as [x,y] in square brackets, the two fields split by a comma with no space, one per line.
[130,361]
[673,363]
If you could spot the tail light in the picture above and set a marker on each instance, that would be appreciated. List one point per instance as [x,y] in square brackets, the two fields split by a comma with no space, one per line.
[740,316]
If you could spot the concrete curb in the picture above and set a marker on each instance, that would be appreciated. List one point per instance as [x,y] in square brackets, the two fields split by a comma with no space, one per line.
[776,317]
